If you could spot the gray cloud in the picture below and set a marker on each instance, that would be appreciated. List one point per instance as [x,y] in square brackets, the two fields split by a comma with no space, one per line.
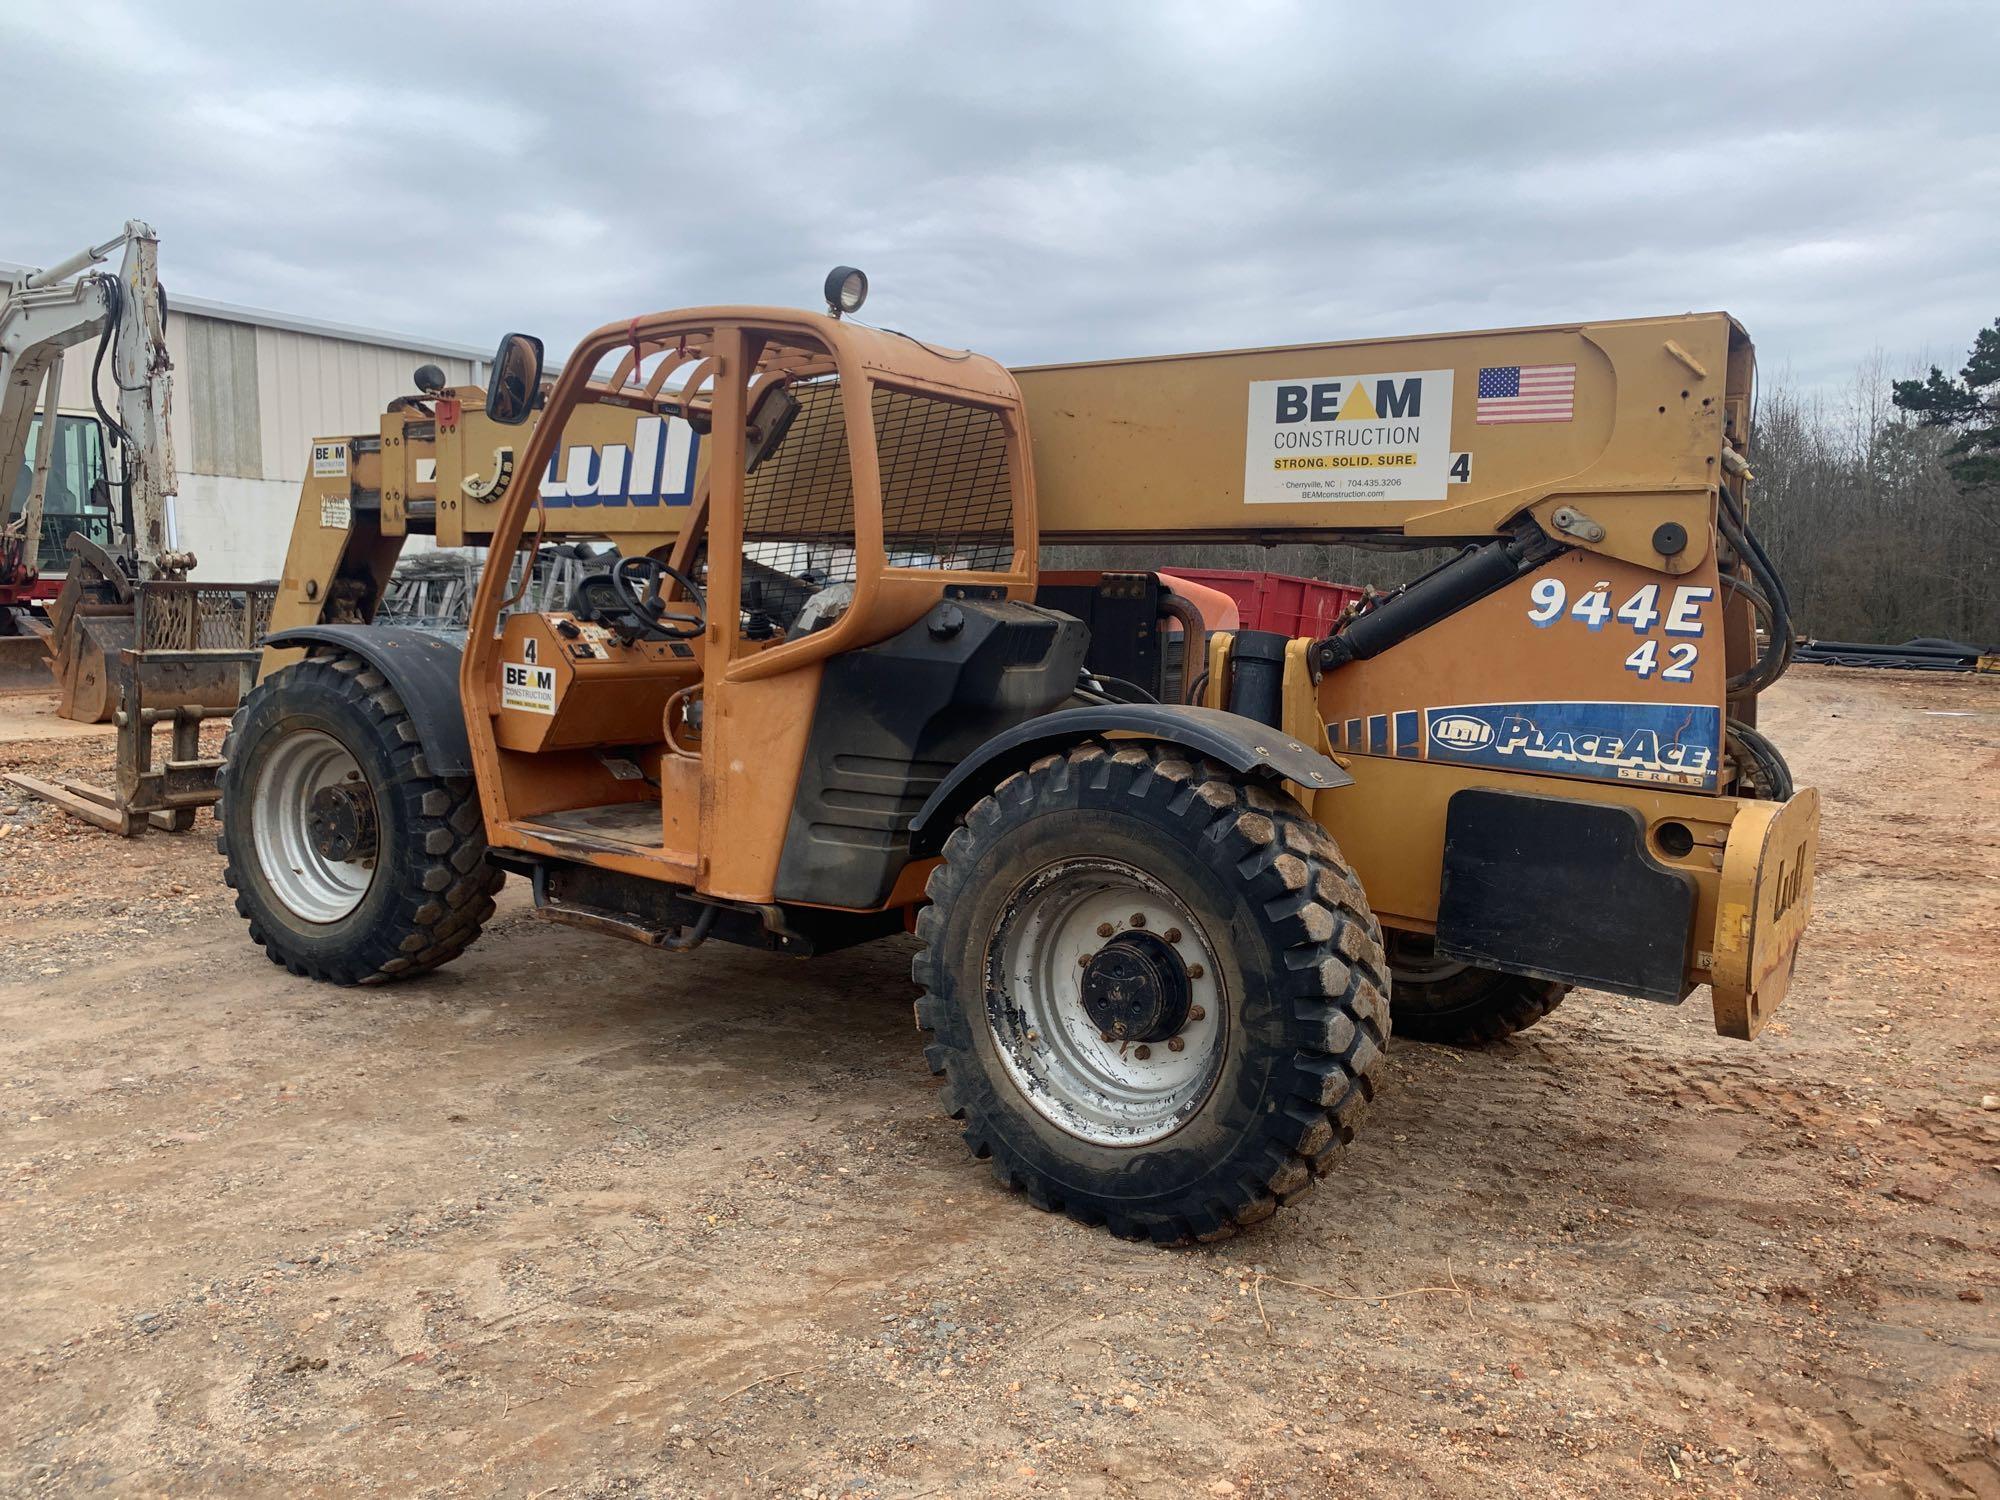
[1040,181]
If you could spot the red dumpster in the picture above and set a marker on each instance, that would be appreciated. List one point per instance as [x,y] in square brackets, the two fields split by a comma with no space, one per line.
[1278,601]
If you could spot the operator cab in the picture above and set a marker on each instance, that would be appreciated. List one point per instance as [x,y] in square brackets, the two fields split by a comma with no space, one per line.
[779,660]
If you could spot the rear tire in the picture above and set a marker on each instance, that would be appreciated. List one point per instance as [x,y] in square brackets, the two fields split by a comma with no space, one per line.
[1460,1005]
[406,884]
[1255,939]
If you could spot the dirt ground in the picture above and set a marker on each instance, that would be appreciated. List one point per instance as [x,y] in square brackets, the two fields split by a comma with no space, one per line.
[574,1218]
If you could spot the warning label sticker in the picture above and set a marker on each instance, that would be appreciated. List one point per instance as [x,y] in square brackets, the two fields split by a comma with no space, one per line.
[525,686]
[1348,437]
[329,460]
[335,513]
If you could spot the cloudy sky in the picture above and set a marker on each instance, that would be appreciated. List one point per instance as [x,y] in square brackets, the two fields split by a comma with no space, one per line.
[1040,181]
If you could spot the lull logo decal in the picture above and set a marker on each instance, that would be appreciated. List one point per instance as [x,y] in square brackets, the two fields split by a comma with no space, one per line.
[1672,744]
[656,468]
[1462,731]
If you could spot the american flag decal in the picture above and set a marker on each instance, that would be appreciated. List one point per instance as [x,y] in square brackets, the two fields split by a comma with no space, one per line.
[1527,393]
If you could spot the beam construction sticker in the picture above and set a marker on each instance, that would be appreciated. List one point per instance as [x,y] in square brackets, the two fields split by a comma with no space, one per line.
[1348,437]
[525,686]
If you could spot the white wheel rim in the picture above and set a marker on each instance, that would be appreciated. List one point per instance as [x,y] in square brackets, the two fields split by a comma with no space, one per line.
[310,884]
[1106,1092]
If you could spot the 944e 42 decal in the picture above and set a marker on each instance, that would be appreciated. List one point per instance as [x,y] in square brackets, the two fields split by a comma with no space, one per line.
[1672,744]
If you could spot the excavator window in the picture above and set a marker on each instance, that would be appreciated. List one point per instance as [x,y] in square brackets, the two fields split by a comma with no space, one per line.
[75,469]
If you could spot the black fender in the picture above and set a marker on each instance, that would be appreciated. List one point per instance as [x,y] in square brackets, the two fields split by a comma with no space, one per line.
[1242,744]
[422,666]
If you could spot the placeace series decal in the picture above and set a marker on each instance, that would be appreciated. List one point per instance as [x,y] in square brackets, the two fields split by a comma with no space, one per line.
[1350,437]
[1672,744]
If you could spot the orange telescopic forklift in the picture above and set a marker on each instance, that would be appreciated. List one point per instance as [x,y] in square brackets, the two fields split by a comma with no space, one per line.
[815,702]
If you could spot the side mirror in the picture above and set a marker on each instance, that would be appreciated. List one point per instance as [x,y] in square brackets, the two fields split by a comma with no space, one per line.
[516,379]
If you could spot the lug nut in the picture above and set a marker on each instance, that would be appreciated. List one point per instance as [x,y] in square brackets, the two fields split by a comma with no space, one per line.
[1083,960]
[1175,1044]
[1138,919]
[1195,971]
[1197,1013]
[1173,934]
[1142,1052]
[1104,929]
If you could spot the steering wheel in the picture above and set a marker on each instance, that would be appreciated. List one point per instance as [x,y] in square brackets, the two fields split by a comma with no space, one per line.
[636,581]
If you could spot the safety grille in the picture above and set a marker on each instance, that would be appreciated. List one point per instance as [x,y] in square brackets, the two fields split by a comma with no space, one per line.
[798,508]
[947,495]
[947,498]
[190,617]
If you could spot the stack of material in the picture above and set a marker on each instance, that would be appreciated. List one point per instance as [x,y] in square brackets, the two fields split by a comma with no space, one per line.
[1925,654]
[433,590]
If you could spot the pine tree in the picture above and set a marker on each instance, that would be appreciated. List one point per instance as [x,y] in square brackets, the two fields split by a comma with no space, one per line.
[1970,404]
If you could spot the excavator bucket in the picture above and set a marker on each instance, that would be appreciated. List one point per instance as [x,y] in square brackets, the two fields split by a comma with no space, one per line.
[86,663]
[97,619]
[94,618]
[24,663]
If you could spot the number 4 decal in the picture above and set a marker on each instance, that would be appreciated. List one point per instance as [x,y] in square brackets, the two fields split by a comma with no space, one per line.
[1642,610]
[1594,608]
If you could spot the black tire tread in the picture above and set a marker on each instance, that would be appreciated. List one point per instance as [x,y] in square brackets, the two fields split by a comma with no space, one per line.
[1314,912]
[1511,1004]
[444,894]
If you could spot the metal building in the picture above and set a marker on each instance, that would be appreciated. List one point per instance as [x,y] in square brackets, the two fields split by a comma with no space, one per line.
[251,390]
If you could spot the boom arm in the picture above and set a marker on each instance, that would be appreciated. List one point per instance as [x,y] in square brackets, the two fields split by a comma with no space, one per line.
[50,313]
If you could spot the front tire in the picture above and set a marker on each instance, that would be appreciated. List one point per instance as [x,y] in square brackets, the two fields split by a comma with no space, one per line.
[352,863]
[1104,906]
[1434,999]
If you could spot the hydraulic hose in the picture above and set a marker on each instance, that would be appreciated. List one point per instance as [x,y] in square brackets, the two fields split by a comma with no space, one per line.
[114,295]
[1767,593]
[1446,589]
[1194,635]
[1777,656]
[1773,781]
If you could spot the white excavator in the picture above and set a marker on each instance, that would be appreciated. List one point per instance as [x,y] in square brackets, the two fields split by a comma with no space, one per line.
[90,617]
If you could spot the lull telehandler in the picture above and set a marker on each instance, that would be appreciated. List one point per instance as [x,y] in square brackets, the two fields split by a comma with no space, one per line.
[815,703]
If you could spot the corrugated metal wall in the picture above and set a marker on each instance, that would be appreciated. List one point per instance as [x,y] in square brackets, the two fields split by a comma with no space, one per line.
[216,399]
[309,386]
[249,398]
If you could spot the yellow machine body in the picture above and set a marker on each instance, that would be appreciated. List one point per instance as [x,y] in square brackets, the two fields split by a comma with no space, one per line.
[1596,678]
